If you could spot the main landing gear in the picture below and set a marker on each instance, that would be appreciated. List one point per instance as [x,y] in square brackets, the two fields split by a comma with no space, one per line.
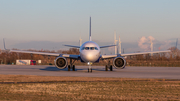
[108,66]
[71,66]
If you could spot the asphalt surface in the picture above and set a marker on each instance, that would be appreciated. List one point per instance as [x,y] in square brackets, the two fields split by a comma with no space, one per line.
[98,71]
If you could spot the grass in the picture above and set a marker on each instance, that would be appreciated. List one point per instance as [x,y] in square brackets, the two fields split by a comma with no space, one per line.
[108,89]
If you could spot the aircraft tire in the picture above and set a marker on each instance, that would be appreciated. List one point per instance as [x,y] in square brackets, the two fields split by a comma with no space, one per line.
[111,68]
[106,68]
[69,68]
[73,68]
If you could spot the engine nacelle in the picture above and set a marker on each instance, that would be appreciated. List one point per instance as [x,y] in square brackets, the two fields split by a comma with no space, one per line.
[61,62]
[119,62]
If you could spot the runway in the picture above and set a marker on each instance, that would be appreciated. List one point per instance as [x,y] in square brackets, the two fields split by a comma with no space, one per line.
[98,71]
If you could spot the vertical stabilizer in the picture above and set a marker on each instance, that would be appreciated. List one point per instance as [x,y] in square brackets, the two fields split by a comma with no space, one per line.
[90,30]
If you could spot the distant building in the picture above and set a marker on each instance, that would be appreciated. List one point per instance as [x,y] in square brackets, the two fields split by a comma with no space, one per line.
[25,62]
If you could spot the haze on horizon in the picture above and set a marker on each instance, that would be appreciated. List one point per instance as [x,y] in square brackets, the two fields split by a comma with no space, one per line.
[22,23]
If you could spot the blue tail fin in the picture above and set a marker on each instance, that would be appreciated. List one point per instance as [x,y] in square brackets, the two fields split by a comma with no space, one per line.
[90,30]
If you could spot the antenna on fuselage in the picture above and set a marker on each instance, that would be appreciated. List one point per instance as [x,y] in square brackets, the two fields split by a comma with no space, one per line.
[90,30]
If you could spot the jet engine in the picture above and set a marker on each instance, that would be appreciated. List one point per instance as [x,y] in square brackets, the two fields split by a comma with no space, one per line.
[61,62]
[119,62]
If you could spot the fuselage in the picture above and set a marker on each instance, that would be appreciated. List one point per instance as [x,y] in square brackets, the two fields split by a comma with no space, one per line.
[89,51]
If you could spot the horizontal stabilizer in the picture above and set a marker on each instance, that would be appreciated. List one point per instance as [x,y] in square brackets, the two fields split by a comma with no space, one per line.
[107,46]
[72,46]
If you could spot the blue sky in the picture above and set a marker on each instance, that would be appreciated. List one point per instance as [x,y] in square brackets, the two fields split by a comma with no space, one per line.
[64,21]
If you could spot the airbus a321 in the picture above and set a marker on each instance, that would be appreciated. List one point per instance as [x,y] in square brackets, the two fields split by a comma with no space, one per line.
[89,53]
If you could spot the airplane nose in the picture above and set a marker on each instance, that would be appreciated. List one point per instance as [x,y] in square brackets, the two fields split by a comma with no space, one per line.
[91,57]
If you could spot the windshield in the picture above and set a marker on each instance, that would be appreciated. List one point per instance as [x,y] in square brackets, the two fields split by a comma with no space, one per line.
[89,48]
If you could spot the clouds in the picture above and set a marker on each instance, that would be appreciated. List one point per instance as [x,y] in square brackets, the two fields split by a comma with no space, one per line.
[144,42]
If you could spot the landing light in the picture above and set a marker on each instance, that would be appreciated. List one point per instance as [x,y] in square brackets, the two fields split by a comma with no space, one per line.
[89,63]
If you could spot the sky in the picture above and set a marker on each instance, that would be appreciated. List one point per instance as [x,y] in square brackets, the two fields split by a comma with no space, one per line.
[47,24]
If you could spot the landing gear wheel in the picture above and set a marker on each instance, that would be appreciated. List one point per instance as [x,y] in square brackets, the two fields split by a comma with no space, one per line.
[111,68]
[106,68]
[89,70]
[69,68]
[73,68]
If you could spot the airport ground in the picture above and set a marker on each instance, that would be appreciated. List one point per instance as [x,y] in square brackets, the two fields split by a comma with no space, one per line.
[49,83]
[97,71]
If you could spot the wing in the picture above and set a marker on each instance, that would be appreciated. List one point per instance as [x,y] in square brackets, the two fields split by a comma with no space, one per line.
[108,56]
[107,46]
[146,53]
[72,46]
[128,54]
[49,54]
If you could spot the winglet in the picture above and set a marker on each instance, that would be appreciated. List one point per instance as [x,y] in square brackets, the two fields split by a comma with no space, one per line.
[4,44]
[176,44]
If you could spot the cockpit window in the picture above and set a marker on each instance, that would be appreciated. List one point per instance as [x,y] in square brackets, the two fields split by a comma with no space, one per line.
[86,48]
[89,48]
[83,48]
[96,48]
[92,48]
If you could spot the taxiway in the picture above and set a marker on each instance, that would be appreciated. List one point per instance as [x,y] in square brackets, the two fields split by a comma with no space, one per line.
[98,71]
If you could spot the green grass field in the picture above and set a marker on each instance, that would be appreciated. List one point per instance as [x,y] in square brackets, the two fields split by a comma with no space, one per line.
[93,89]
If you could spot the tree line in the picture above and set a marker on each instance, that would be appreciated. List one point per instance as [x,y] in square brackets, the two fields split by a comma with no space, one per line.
[145,60]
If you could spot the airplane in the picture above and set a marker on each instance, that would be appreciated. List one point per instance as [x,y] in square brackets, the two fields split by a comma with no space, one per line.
[89,53]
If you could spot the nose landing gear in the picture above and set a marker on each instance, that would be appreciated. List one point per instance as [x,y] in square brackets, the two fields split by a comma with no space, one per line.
[89,69]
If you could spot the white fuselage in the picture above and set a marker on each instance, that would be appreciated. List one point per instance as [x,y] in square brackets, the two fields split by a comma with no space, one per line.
[89,52]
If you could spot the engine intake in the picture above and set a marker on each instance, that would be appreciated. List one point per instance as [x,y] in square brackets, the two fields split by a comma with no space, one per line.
[119,62]
[61,62]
